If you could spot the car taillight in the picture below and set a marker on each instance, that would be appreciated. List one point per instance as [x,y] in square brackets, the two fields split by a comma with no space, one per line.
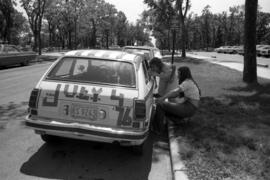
[139,110]
[33,101]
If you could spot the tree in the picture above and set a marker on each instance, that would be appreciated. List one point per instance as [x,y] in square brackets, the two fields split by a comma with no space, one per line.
[250,61]
[35,10]
[51,15]
[182,7]
[158,19]
[6,10]
[19,28]
[206,18]
[263,28]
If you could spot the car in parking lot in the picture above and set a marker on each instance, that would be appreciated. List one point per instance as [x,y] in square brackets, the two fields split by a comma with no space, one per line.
[148,51]
[96,95]
[11,55]
[240,50]
[221,49]
[263,50]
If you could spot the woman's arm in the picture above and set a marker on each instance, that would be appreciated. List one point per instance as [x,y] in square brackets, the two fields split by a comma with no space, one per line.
[172,94]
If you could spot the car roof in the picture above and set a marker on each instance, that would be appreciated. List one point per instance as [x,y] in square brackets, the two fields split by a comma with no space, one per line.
[104,54]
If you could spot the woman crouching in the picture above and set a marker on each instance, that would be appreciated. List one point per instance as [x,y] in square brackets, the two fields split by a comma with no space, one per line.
[189,93]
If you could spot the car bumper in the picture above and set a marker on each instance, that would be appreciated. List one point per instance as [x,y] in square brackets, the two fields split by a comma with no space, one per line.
[87,132]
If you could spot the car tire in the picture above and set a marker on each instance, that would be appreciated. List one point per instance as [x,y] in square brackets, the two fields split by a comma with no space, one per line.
[138,149]
[50,139]
[25,63]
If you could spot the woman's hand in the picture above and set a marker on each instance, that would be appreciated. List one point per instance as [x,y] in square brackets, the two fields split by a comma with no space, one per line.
[159,100]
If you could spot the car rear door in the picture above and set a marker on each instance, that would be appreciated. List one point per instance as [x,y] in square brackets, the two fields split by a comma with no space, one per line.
[89,104]
[78,90]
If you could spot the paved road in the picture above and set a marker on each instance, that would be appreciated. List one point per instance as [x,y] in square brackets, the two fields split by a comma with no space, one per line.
[234,61]
[24,156]
[220,57]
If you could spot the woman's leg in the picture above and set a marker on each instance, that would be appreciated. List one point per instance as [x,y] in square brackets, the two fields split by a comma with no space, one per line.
[181,110]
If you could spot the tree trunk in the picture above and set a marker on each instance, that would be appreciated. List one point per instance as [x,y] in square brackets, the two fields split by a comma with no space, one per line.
[35,41]
[39,43]
[39,38]
[75,35]
[169,47]
[250,61]
[69,39]
[183,43]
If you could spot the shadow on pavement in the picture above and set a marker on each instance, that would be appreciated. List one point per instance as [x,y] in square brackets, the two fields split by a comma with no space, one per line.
[75,159]
[12,111]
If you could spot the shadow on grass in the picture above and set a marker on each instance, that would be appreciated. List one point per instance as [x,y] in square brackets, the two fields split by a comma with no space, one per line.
[260,96]
[228,138]
[12,111]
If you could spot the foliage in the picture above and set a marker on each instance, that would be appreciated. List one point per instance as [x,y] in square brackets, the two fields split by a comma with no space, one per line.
[6,20]
[77,24]
[161,13]
[35,10]
[207,30]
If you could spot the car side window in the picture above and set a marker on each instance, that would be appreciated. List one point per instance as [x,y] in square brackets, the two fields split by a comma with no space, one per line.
[145,71]
[81,66]
[63,69]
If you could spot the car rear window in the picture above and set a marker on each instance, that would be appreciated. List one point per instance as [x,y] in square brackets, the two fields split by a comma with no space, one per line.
[94,71]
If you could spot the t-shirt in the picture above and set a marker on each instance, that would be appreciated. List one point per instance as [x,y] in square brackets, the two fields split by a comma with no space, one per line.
[190,90]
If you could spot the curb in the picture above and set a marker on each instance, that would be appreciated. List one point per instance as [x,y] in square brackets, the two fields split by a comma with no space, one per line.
[178,167]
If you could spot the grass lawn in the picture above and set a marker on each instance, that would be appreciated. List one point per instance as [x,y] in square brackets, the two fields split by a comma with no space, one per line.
[229,137]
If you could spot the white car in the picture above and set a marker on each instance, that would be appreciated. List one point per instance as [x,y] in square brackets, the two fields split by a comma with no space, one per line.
[221,49]
[97,95]
[264,51]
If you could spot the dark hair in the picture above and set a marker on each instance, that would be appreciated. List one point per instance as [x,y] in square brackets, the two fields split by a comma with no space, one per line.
[156,62]
[185,73]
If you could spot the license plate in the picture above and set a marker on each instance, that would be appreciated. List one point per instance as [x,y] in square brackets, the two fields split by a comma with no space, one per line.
[84,112]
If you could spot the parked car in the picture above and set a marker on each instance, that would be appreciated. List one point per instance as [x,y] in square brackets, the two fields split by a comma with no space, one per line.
[149,51]
[264,51]
[228,49]
[11,55]
[240,50]
[115,47]
[221,49]
[97,95]
[233,49]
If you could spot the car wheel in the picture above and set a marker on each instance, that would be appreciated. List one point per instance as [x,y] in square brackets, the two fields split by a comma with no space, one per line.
[49,138]
[25,63]
[138,150]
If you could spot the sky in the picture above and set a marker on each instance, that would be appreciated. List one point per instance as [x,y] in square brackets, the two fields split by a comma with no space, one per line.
[133,8]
